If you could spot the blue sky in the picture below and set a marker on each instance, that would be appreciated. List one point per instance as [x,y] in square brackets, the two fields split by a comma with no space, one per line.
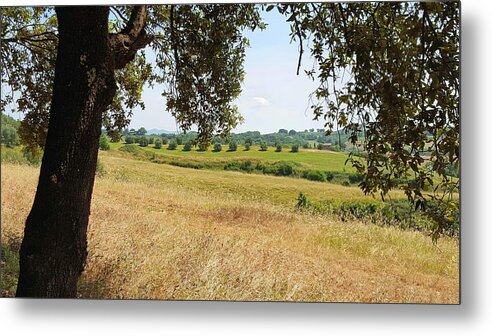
[273,95]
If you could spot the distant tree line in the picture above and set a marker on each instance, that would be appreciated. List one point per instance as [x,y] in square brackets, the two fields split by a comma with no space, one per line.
[309,138]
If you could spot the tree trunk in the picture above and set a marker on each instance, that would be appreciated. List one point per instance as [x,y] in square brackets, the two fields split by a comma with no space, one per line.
[54,248]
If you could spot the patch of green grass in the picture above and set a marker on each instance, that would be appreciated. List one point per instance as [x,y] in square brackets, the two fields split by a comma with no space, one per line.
[9,270]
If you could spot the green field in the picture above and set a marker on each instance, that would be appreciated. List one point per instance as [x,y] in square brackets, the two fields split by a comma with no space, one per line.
[308,158]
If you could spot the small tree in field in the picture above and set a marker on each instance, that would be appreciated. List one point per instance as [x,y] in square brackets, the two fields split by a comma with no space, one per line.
[232,146]
[9,136]
[247,144]
[202,147]
[263,146]
[217,147]
[278,148]
[158,143]
[187,146]
[172,145]
[143,141]
[103,142]
[294,148]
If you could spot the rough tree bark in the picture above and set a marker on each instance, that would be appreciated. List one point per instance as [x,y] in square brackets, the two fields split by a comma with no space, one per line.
[54,248]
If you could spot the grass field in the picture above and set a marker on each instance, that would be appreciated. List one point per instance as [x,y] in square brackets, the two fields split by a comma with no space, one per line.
[164,232]
[308,158]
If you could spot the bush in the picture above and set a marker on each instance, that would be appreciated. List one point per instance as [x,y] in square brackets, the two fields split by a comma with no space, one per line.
[158,143]
[294,148]
[151,140]
[143,141]
[202,147]
[9,136]
[164,141]
[247,144]
[187,146]
[314,175]
[217,147]
[305,145]
[284,169]
[355,178]
[234,166]
[247,166]
[278,148]
[329,175]
[129,139]
[319,146]
[179,140]
[172,145]
[232,146]
[103,142]
[263,146]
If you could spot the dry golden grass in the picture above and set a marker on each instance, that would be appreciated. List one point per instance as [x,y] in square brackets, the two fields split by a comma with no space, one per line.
[172,233]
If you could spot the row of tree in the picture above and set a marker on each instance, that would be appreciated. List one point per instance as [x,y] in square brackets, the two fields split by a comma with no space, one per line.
[305,139]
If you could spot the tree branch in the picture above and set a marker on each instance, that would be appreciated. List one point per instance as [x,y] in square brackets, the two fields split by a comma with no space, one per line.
[132,38]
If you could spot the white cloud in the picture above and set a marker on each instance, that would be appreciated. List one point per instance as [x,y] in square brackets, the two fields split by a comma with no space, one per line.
[259,102]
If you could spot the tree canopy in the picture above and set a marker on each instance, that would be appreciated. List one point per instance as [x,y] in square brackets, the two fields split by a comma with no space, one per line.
[388,73]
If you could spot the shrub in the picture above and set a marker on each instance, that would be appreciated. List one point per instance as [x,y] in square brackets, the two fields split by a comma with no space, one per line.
[294,148]
[355,178]
[234,166]
[263,146]
[179,140]
[314,175]
[217,147]
[164,141]
[305,145]
[329,175]
[129,139]
[247,166]
[247,144]
[9,136]
[302,201]
[187,146]
[232,146]
[143,141]
[284,169]
[151,140]
[346,184]
[33,156]
[319,146]
[172,145]
[278,148]
[158,144]
[202,147]
[103,142]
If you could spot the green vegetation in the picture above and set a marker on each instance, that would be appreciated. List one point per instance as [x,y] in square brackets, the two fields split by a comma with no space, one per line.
[103,142]
[172,145]
[187,146]
[399,213]
[217,147]
[9,136]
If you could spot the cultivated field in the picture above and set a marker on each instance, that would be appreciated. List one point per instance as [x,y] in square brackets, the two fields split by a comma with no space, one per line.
[164,232]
